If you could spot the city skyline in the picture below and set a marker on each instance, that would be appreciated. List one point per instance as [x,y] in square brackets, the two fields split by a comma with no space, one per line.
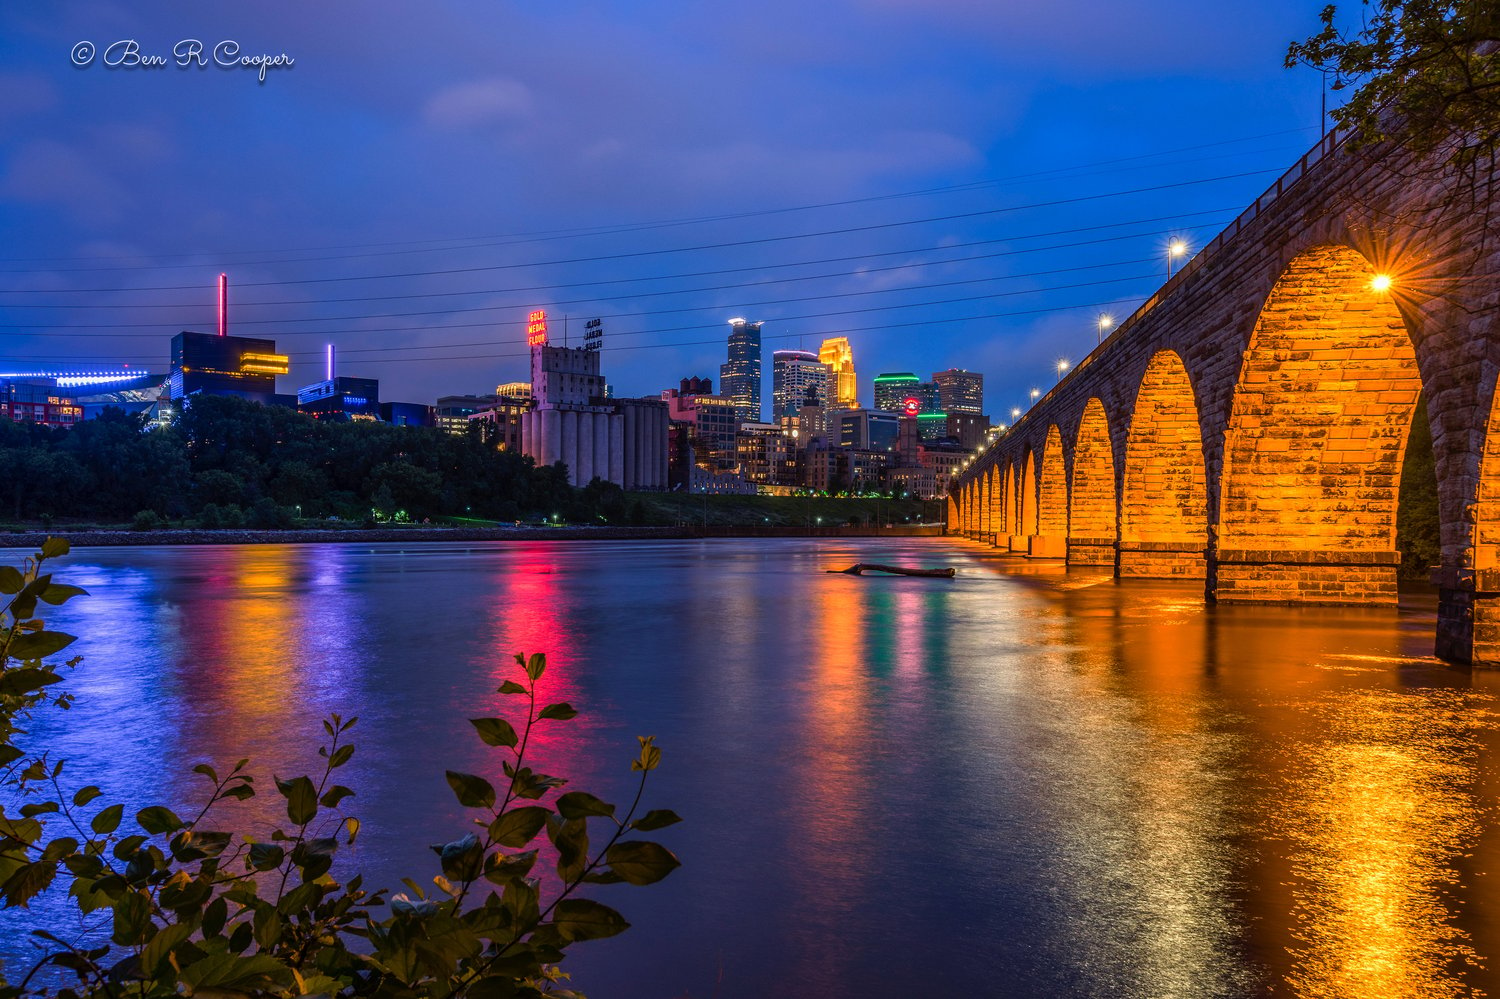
[107,165]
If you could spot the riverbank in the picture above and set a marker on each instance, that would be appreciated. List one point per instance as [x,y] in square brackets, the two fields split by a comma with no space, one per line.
[112,539]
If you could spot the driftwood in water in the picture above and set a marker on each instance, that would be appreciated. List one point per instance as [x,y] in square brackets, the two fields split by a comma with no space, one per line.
[859,568]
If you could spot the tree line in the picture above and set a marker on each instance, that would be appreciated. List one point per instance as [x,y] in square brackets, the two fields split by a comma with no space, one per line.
[227,462]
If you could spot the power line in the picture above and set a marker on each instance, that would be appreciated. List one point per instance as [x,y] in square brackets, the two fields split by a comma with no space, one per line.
[473,242]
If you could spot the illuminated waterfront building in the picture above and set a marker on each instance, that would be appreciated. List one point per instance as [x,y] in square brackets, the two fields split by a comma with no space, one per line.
[37,399]
[839,356]
[739,378]
[710,420]
[451,413]
[798,378]
[959,391]
[341,398]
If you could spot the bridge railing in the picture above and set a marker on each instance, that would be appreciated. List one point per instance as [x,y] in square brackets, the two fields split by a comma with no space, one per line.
[1325,148]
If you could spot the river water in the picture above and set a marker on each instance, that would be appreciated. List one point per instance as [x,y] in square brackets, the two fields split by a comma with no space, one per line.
[1023,781]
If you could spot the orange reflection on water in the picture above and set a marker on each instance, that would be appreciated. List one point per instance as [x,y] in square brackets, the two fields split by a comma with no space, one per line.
[1378,819]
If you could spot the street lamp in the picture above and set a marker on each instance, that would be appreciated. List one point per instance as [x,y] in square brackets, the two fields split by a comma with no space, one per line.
[1175,249]
[1106,323]
[1015,414]
[1035,393]
[1062,366]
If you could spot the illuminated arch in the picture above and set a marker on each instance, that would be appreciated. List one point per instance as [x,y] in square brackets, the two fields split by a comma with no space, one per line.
[1318,425]
[1092,511]
[986,504]
[1026,497]
[1052,510]
[1164,510]
[1004,496]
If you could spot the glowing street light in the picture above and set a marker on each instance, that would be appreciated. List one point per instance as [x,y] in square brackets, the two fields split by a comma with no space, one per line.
[1015,414]
[1106,323]
[1380,283]
[1035,393]
[1175,249]
[1062,366]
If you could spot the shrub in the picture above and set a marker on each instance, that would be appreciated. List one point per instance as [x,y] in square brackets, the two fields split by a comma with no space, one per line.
[147,520]
[194,908]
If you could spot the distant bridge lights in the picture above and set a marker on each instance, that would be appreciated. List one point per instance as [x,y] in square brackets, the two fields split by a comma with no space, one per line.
[1062,367]
[1035,394]
[1380,283]
[1015,414]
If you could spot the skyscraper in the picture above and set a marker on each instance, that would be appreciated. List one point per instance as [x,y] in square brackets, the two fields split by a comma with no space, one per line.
[960,391]
[739,379]
[795,373]
[839,356]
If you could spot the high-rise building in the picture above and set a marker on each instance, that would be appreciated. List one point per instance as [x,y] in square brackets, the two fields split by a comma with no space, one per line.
[839,356]
[225,365]
[894,391]
[739,378]
[865,429]
[798,379]
[959,391]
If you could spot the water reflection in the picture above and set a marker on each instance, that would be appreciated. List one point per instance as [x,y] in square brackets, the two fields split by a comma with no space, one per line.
[1022,781]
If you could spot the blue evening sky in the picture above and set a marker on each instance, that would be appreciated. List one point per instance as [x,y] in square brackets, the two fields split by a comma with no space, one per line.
[949,183]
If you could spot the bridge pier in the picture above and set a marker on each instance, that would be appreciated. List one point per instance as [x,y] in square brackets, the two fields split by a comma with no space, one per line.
[1161,560]
[1303,577]
[1468,628]
[1091,551]
[1046,546]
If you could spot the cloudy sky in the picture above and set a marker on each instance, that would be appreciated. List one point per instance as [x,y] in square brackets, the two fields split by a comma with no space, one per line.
[949,183]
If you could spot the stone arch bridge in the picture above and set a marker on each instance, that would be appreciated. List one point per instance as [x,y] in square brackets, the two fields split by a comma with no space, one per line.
[1246,426]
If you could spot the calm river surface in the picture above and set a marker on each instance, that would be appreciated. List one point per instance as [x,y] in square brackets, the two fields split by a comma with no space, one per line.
[1020,782]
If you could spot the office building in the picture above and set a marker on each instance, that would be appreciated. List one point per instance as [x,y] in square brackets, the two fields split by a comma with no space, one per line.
[406,414]
[711,419]
[843,392]
[227,365]
[864,429]
[893,389]
[798,379]
[959,391]
[341,398]
[969,429]
[451,412]
[739,378]
[932,427]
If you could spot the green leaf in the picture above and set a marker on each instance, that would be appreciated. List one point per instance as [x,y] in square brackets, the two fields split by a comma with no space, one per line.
[154,956]
[495,731]
[581,804]
[536,666]
[657,818]
[471,791]
[266,856]
[519,826]
[108,820]
[26,882]
[39,644]
[61,593]
[301,799]
[11,580]
[340,756]
[55,547]
[561,711]
[14,682]
[86,795]
[132,916]
[461,860]
[585,919]
[334,795]
[207,771]
[158,819]
[39,808]
[650,754]
[230,972]
[640,862]
[508,687]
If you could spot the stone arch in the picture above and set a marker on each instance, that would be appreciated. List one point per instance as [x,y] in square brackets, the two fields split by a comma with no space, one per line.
[1092,510]
[1004,494]
[987,508]
[1163,519]
[1052,505]
[1316,434]
[1026,497]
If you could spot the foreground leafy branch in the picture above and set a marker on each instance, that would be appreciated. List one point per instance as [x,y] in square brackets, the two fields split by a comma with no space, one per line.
[193,908]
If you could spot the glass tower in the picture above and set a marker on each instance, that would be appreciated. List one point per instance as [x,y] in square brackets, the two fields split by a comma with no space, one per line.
[739,378]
